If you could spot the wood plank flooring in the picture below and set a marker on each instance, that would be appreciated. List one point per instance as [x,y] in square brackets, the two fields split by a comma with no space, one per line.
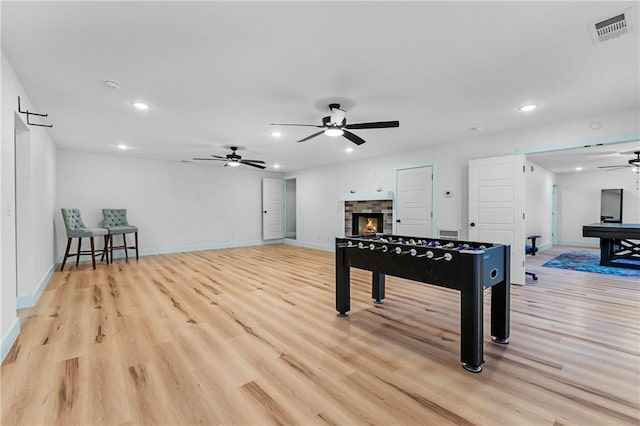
[250,336]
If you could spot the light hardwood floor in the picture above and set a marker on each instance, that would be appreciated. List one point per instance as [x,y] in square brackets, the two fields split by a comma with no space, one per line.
[250,336]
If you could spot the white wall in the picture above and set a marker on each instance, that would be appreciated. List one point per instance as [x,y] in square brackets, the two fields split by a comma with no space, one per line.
[177,206]
[41,187]
[319,189]
[539,203]
[579,198]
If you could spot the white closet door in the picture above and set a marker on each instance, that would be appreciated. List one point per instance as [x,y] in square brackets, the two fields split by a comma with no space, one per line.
[496,206]
[414,189]
[272,208]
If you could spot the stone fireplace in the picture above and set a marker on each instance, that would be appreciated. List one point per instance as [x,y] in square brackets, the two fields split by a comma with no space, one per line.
[360,216]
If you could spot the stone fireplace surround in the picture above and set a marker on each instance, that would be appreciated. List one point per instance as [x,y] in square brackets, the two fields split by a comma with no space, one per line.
[368,206]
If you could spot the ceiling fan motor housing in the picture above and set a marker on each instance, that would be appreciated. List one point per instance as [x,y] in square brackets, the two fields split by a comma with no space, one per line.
[338,116]
[328,122]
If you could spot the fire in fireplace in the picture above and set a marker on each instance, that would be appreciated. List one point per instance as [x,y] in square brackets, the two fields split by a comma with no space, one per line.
[367,223]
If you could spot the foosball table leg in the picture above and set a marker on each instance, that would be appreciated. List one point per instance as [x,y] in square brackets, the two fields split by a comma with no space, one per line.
[472,368]
[377,288]
[343,285]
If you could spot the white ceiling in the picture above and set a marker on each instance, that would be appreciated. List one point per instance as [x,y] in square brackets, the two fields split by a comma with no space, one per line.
[218,73]
[588,158]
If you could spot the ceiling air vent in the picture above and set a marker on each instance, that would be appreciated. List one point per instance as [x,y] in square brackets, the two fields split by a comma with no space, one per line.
[611,27]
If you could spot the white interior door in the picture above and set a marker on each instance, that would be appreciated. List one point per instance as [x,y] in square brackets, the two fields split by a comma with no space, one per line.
[272,208]
[497,204]
[414,210]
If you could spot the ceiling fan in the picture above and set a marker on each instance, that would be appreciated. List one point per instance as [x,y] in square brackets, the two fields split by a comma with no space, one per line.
[234,159]
[336,125]
[634,162]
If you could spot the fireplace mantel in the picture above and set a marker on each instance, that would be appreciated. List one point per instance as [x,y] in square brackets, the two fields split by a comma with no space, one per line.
[366,196]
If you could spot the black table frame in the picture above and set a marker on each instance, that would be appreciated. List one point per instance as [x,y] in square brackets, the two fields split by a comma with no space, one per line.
[618,242]
[469,271]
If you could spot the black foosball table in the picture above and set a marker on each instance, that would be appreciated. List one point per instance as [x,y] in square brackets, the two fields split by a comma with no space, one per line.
[469,267]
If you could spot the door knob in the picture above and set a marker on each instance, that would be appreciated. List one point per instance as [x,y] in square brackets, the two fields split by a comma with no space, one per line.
[265,212]
[397,220]
[472,224]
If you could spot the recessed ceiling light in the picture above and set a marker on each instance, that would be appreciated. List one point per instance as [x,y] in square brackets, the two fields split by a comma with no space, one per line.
[112,84]
[276,166]
[276,134]
[476,129]
[140,105]
[121,146]
[528,107]
[349,149]
[578,169]
[334,132]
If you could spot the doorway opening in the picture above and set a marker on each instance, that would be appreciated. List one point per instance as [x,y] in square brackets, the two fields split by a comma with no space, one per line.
[571,196]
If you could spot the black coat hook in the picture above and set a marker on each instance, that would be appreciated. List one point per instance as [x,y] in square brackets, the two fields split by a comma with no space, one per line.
[32,113]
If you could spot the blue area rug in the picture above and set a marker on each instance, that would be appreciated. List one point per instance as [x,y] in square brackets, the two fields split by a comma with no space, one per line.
[588,262]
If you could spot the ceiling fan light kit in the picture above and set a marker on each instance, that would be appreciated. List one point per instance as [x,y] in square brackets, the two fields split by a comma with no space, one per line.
[334,131]
[335,124]
[528,107]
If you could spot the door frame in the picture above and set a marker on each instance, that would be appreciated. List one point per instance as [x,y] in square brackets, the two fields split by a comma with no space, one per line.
[434,192]
[554,214]
[285,198]
[22,208]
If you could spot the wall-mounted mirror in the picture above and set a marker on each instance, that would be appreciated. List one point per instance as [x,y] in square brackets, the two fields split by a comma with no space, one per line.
[611,205]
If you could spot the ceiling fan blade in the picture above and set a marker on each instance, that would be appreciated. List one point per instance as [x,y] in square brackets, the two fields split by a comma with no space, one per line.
[374,125]
[251,164]
[253,161]
[353,138]
[217,156]
[312,136]
[211,159]
[300,125]
[614,167]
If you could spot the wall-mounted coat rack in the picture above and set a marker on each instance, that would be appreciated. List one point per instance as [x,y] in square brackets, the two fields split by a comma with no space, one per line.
[28,113]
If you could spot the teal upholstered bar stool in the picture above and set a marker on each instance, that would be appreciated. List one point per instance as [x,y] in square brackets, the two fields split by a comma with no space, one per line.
[115,221]
[77,229]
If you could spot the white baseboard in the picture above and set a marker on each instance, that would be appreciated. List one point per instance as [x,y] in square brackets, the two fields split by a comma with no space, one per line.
[545,247]
[594,244]
[310,245]
[30,300]
[119,254]
[9,339]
